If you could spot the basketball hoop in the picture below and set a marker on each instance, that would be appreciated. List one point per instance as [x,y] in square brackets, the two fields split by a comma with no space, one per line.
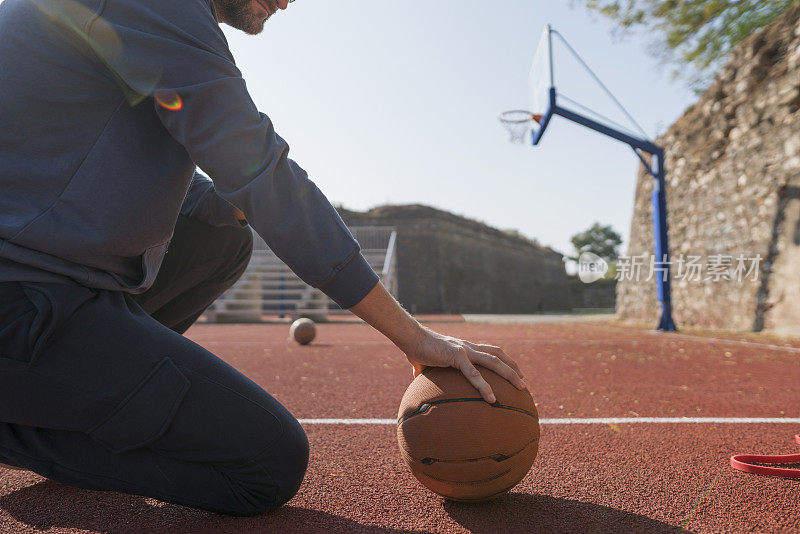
[518,122]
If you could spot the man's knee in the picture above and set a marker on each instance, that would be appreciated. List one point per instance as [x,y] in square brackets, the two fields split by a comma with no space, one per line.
[295,449]
[243,242]
[244,237]
[238,242]
[280,472]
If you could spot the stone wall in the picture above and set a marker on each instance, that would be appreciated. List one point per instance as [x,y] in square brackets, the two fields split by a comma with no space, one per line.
[450,264]
[597,295]
[733,187]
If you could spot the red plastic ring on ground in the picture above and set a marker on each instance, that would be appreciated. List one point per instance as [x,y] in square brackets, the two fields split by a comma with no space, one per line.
[745,462]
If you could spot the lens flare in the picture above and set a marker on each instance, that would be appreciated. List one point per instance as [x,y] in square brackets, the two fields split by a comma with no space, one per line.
[169,100]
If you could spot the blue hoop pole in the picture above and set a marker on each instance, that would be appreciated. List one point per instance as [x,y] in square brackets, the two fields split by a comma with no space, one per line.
[658,198]
[661,240]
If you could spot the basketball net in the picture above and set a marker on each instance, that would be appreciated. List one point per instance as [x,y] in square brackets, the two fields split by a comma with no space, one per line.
[518,123]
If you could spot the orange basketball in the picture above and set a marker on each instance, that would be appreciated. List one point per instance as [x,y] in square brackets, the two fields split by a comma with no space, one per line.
[459,445]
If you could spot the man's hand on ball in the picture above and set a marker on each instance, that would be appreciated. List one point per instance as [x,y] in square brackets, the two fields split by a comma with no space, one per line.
[425,348]
[436,350]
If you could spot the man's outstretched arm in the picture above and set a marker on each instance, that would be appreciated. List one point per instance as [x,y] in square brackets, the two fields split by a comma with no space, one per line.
[425,348]
[175,56]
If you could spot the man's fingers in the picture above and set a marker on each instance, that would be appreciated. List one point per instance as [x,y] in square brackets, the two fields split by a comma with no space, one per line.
[496,364]
[500,353]
[475,378]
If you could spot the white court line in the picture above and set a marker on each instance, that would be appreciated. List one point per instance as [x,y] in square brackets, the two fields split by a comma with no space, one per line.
[592,421]
[348,421]
[669,420]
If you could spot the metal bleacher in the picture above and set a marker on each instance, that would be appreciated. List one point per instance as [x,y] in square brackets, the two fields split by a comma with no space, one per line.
[269,289]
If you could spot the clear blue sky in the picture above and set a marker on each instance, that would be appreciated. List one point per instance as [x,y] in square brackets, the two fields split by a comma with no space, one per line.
[396,102]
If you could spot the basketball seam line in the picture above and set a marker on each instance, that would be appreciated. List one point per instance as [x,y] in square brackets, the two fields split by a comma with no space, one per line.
[468,460]
[468,482]
[427,406]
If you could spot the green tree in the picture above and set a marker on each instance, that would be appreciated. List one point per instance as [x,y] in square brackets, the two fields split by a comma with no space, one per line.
[699,33]
[601,240]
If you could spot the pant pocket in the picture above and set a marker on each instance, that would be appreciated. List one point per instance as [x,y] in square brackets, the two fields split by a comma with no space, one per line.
[146,413]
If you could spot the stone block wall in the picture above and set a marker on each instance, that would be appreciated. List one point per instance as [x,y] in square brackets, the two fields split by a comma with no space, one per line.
[733,187]
[597,295]
[450,264]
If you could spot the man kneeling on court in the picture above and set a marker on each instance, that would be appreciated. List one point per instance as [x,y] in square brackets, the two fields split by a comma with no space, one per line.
[111,246]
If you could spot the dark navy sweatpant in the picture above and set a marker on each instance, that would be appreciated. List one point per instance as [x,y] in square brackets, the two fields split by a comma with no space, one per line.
[99,389]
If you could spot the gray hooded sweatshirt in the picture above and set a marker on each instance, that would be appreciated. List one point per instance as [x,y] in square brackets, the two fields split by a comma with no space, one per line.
[107,108]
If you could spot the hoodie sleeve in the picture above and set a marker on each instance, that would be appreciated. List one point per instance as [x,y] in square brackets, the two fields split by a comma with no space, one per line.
[174,56]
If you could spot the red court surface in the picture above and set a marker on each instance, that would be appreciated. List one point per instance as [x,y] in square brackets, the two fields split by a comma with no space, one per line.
[593,476]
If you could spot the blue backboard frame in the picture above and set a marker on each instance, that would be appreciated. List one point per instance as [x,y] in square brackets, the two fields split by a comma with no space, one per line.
[639,144]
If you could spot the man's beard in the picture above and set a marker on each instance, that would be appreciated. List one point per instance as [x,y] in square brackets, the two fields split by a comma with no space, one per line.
[240,15]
